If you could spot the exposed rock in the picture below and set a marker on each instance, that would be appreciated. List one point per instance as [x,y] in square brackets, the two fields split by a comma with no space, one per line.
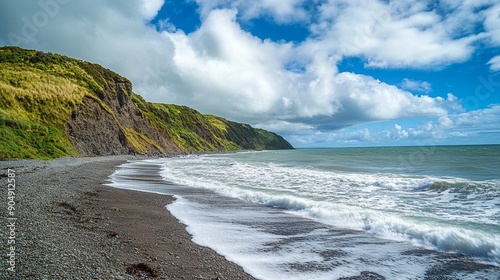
[94,131]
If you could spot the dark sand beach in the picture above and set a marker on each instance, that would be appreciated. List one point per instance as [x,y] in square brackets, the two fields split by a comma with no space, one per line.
[68,225]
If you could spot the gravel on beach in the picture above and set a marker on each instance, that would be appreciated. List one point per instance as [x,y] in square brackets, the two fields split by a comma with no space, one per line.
[67,225]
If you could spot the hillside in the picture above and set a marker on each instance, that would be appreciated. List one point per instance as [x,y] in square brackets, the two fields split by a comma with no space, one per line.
[53,106]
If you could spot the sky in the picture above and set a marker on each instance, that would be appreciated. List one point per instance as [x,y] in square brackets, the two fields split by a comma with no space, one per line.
[321,73]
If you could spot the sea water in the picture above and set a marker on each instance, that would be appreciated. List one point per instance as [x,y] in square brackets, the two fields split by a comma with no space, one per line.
[397,212]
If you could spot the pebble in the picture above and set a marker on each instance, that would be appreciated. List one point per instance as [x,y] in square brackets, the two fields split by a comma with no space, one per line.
[47,246]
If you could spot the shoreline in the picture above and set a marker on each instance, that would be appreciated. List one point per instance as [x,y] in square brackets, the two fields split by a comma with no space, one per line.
[282,239]
[69,225]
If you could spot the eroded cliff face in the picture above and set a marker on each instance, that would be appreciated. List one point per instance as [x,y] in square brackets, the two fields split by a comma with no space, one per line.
[94,131]
[113,125]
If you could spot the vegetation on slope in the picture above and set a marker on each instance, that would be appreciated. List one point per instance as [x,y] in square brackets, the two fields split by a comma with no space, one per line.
[193,131]
[35,102]
[51,105]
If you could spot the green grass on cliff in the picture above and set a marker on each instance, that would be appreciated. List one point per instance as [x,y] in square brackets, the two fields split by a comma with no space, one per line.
[192,131]
[40,91]
[35,103]
[189,129]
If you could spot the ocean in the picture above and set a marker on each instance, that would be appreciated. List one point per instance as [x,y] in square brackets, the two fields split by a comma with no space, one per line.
[430,212]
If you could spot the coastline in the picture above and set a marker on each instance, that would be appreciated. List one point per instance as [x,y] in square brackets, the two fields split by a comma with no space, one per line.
[69,225]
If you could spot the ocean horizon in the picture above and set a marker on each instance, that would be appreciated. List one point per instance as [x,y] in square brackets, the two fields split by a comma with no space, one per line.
[327,213]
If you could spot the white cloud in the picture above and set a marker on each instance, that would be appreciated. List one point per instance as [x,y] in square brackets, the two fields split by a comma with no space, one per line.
[400,132]
[150,8]
[495,63]
[220,64]
[232,67]
[483,117]
[445,122]
[371,99]
[418,86]
[343,137]
[291,128]
[166,25]
[281,11]
[391,34]
[468,124]
[492,24]
[470,127]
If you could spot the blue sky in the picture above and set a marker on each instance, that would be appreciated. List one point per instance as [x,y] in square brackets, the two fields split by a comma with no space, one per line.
[322,73]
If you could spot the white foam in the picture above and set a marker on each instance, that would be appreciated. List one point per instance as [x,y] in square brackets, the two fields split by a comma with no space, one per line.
[273,256]
[246,235]
[387,205]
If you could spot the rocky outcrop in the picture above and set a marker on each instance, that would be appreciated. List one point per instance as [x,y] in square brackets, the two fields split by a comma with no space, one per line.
[94,131]
[112,124]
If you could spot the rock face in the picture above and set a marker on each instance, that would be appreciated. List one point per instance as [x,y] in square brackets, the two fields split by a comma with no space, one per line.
[93,131]
[52,106]
[113,125]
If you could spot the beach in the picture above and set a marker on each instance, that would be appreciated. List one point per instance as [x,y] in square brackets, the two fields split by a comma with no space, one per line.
[65,224]
[63,220]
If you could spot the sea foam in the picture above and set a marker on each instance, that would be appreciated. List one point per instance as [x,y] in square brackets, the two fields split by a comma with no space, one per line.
[292,222]
[427,211]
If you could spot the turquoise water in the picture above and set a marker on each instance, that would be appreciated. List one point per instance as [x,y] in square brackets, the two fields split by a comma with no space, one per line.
[443,198]
[468,162]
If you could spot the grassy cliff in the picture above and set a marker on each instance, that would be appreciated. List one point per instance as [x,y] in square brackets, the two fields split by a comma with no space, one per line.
[53,106]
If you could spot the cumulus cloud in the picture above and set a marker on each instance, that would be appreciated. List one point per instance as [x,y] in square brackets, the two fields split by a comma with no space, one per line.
[233,67]
[492,24]
[481,125]
[468,124]
[221,64]
[492,27]
[416,86]
[150,8]
[400,132]
[371,99]
[281,11]
[391,33]
[246,73]
[495,63]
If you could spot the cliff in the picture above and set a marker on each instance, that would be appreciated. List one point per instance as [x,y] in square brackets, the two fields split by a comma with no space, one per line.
[53,106]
